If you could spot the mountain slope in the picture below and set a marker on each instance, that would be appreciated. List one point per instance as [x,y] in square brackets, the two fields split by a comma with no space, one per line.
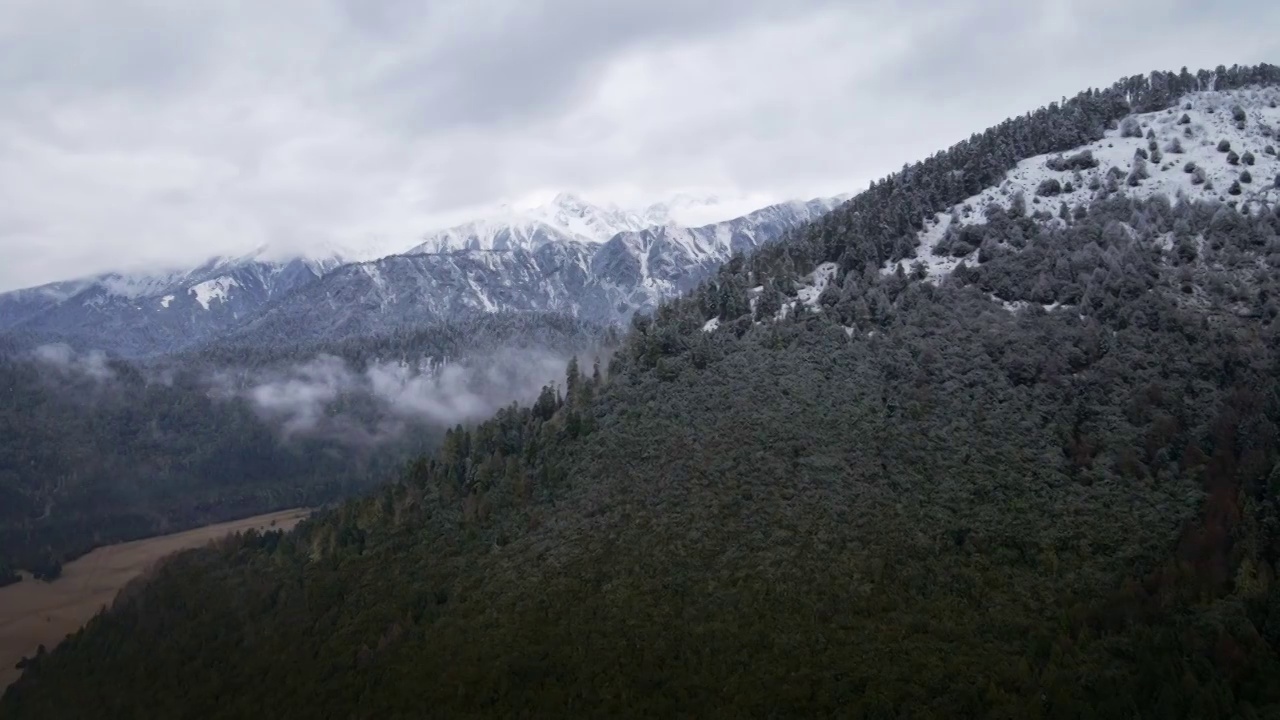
[97,451]
[1213,145]
[571,257]
[597,282]
[144,314]
[569,218]
[808,488]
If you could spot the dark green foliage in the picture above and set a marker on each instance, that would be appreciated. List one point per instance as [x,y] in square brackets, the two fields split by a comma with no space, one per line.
[84,463]
[1270,150]
[1235,188]
[912,503]
[1245,177]
[1224,145]
[1247,158]
[1233,158]
[163,447]
[1028,508]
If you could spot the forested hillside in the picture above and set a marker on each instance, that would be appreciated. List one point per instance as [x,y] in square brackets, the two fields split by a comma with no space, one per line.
[1046,484]
[95,451]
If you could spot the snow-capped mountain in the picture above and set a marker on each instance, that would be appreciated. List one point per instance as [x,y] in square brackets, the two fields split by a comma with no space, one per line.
[145,313]
[569,256]
[1211,145]
[567,218]
[649,265]
[602,282]
[570,218]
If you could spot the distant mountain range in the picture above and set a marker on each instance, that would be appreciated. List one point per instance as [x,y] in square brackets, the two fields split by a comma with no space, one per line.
[570,256]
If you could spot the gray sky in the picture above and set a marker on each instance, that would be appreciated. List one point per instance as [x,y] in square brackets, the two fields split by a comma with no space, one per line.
[136,133]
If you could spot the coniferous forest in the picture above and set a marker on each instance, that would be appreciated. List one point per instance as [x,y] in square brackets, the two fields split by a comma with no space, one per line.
[96,451]
[1044,486]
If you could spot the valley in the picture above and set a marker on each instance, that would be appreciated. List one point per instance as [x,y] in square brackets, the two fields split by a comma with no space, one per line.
[996,436]
[937,452]
[34,613]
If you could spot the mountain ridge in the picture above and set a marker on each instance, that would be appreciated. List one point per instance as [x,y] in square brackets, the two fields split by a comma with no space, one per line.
[545,270]
[809,488]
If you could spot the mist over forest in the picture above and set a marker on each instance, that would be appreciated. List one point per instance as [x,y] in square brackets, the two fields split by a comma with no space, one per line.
[97,449]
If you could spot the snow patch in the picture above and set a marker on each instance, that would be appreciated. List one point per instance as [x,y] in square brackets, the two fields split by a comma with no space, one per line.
[211,290]
[816,282]
[1209,121]
[164,301]
[711,325]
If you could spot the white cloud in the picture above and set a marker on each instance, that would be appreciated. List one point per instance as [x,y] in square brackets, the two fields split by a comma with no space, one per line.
[142,132]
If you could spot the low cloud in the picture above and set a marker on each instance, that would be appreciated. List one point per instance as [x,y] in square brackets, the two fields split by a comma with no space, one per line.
[300,399]
[65,358]
[327,397]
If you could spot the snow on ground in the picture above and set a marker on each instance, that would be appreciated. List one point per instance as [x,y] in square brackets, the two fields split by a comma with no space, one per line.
[936,265]
[164,301]
[1210,121]
[1017,305]
[210,290]
[815,282]
[711,325]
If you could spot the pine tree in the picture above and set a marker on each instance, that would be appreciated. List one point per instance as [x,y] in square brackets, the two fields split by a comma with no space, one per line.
[572,380]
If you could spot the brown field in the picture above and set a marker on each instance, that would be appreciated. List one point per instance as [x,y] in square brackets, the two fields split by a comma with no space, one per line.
[33,613]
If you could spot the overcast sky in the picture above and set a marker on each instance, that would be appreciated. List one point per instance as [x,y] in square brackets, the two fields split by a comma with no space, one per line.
[137,133]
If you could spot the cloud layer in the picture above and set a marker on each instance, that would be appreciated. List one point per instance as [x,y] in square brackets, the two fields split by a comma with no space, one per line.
[320,397]
[143,132]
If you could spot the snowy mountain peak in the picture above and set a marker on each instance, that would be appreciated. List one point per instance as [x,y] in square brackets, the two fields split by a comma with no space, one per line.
[571,217]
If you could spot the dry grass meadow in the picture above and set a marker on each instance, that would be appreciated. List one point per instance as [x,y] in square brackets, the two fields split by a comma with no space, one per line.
[34,613]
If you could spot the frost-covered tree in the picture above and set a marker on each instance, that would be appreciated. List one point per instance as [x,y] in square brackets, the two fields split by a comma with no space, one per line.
[1049,187]
[1233,158]
[1237,113]
[1224,145]
[1174,146]
[1129,127]
[1185,119]
[1245,177]
[1247,158]
[1140,171]
[1018,208]
[1235,188]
